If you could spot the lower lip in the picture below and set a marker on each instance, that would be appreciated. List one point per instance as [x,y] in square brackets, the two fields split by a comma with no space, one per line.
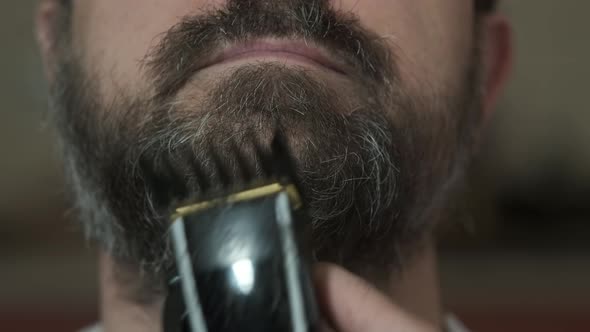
[279,56]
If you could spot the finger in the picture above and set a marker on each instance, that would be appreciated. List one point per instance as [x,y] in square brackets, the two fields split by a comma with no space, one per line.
[352,305]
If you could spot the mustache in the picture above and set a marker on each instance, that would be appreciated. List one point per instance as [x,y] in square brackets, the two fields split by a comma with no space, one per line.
[189,44]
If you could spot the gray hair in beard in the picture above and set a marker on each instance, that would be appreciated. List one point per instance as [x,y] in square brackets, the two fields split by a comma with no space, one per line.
[373,165]
[368,183]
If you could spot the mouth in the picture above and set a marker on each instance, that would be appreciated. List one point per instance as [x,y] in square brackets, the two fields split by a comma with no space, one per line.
[284,51]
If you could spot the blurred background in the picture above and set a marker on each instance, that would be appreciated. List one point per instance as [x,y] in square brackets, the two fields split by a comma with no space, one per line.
[516,259]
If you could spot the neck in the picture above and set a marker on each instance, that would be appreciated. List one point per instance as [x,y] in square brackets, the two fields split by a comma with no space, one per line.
[120,311]
[415,290]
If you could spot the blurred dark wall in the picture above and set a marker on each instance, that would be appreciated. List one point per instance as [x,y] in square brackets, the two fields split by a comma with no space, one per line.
[44,264]
[537,161]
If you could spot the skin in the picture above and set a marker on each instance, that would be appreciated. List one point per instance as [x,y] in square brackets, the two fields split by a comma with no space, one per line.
[434,41]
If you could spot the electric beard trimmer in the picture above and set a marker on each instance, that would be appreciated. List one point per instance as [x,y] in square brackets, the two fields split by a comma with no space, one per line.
[239,254]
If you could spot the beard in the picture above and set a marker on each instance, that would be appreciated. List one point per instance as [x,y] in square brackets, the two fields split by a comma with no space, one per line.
[373,163]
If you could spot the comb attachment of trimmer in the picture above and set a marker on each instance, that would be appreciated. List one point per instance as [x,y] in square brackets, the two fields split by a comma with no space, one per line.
[239,250]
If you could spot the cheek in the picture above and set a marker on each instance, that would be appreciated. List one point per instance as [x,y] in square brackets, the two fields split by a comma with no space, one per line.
[432,39]
[113,36]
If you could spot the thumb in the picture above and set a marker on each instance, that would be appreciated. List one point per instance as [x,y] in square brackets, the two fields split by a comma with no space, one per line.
[350,304]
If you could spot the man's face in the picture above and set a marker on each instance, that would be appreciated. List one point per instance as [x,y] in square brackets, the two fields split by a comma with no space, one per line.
[433,39]
[377,100]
